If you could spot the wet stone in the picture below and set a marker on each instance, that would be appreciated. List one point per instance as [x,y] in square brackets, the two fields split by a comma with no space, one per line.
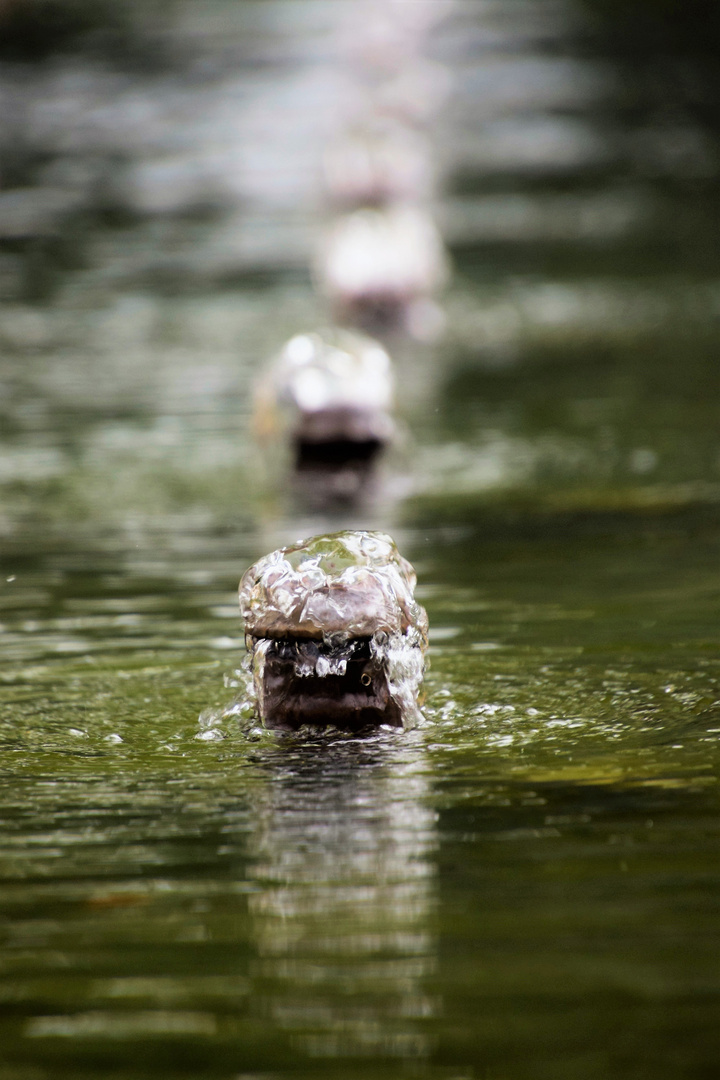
[331,392]
[379,268]
[334,633]
[328,397]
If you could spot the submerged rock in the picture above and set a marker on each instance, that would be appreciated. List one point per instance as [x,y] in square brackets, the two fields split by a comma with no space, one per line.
[334,633]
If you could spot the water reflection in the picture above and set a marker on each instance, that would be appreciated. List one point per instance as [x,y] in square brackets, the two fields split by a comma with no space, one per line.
[342,857]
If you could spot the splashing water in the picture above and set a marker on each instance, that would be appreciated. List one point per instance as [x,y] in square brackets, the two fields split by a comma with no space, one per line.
[335,636]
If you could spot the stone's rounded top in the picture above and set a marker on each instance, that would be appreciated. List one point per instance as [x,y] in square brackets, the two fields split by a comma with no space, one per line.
[347,583]
[333,368]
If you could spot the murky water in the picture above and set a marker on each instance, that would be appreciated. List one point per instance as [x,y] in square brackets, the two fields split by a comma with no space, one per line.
[526,885]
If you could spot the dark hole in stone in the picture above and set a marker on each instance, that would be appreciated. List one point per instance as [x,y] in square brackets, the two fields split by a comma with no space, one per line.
[359,698]
[310,454]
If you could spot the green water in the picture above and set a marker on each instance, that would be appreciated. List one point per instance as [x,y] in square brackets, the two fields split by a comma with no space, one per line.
[527,884]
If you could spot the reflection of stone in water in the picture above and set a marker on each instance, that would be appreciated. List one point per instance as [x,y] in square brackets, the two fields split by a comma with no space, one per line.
[321,487]
[344,878]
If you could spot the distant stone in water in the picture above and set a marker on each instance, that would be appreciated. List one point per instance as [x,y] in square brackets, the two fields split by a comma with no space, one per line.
[384,46]
[334,633]
[376,162]
[380,269]
[330,395]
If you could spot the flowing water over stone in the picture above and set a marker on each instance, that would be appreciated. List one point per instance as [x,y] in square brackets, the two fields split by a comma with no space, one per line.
[334,633]
[525,885]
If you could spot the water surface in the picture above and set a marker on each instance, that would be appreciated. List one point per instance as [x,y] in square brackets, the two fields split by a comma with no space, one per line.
[525,885]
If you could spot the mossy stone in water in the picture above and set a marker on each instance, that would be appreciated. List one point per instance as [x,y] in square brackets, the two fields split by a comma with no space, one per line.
[347,583]
[335,634]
